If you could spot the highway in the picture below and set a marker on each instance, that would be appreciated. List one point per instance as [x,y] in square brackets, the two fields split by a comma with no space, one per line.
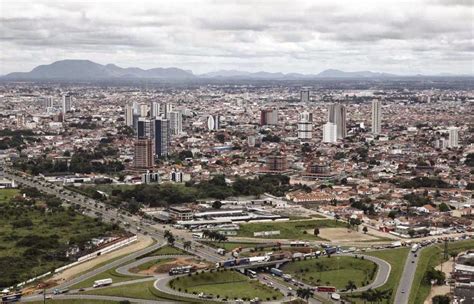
[95,208]
[403,291]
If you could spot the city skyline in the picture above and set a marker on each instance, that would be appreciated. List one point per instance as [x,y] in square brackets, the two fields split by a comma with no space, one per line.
[296,37]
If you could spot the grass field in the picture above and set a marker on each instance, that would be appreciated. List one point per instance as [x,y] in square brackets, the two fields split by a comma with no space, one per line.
[7,194]
[111,273]
[74,301]
[431,257]
[140,291]
[396,258]
[149,264]
[227,284]
[289,229]
[335,271]
[166,250]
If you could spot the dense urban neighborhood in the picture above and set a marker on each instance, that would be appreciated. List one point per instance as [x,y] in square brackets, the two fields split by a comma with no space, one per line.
[328,191]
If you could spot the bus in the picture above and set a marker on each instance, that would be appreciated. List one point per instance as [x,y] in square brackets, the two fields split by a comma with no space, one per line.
[251,273]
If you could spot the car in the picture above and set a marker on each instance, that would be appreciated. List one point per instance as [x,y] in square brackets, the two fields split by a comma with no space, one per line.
[81,289]
[403,291]
[413,261]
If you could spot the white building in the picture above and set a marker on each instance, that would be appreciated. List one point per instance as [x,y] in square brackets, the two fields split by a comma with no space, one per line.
[213,122]
[305,126]
[337,115]
[67,102]
[129,115]
[143,110]
[304,95]
[376,116]
[176,176]
[154,109]
[453,137]
[330,132]
[176,122]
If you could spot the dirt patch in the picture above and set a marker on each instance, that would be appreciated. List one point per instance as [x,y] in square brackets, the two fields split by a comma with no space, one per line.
[344,235]
[442,289]
[165,267]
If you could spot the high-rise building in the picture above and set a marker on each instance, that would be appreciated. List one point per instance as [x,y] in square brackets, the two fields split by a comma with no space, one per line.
[337,115]
[150,177]
[47,102]
[168,107]
[143,110]
[453,140]
[143,155]
[144,128]
[67,102]
[162,136]
[376,116]
[305,126]
[176,122]
[154,109]
[276,163]
[129,115]
[330,132]
[304,95]
[213,122]
[176,176]
[268,117]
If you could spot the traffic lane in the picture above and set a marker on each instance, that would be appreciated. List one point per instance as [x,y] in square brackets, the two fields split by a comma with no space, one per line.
[403,291]
[96,297]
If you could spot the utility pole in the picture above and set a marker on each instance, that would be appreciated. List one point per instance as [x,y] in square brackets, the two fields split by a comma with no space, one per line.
[44,295]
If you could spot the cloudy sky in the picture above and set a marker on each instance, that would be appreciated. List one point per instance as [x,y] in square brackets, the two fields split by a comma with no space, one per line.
[397,36]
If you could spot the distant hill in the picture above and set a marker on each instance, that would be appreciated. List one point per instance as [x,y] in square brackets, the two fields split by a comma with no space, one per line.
[331,73]
[88,70]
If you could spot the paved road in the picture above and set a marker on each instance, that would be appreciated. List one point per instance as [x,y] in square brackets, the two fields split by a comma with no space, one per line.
[383,272]
[104,298]
[406,281]
[109,266]
[125,269]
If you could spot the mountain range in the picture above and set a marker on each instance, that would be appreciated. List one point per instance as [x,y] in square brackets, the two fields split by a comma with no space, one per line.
[86,70]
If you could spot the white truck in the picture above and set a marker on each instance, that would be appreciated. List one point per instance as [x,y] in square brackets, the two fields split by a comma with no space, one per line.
[100,283]
[415,248]
[221,251]
[396,244]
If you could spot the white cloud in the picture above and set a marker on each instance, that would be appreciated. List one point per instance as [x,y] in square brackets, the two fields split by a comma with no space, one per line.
[419,36]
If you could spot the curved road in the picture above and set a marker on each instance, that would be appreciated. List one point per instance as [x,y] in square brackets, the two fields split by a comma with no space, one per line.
[383,272]
[125,269]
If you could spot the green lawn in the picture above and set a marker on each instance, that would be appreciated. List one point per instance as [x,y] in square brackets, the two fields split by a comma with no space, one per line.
[289,229]
[74,301]
[143,290]
[111,273]
[166,250]
[335,271]
[396,258]
[431,257]
[7,194]
[149,264]
[227,284]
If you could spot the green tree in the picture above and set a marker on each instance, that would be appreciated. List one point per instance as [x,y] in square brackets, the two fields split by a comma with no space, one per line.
[217,204]
[443,207]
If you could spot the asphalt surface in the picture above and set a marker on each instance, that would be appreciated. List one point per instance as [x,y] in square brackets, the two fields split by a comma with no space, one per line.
[125,269]
[406,281]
